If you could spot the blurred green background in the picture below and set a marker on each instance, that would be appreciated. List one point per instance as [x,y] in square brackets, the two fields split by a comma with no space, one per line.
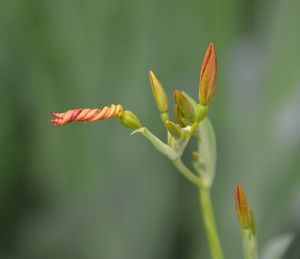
[92,190]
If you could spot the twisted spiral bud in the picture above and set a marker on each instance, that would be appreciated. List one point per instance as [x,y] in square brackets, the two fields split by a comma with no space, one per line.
[86,115]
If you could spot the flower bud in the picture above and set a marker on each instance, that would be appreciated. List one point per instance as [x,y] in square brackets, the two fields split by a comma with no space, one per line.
[130,120]
[184,104]
[191,100]
[86,114]
[244,212]
[196,156]
[174,129]
[179,117]
[159,93]
[207,84]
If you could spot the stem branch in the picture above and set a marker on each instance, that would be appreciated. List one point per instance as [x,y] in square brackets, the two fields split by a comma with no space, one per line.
[187,173]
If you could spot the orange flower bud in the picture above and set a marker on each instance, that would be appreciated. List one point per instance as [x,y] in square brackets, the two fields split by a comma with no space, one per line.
[159,93]
[86,115]
[207,84]
[244,212]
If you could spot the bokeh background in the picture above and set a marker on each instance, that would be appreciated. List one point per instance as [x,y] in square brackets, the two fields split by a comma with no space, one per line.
[92,190]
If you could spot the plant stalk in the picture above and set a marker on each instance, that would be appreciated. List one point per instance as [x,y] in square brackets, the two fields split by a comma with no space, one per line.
[249,244]
[209,222]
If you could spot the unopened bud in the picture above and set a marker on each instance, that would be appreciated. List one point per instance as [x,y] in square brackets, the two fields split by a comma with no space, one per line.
[159,93]
[174,129]
[207,84]
[191,100]
[184,104]
[244,212]
[130,120]
[179,117]
[196,156]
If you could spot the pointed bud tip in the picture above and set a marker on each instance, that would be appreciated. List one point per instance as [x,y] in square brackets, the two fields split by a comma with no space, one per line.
[151,74]
[208,75]
[244,212]
[240,197]
[159,93]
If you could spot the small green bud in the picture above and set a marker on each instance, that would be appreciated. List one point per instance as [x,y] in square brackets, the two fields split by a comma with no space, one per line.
[174,129]
[196,156]
[130,120]
[184,104]
[159,93]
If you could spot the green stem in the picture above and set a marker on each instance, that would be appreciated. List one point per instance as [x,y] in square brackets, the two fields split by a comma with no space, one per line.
[187,173]
[209,222]
[249,244]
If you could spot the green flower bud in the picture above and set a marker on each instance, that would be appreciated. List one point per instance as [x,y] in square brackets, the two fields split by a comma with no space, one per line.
[184,104]
[130,120]
[196,156]
[174,129]
[191,100]
[179,117]
[159,93]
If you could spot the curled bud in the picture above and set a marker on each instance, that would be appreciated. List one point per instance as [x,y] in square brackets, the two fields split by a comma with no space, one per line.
[207,84]
[184,104]
[174,129]
[244,212]
[86,115]
[159,93]
[130,120]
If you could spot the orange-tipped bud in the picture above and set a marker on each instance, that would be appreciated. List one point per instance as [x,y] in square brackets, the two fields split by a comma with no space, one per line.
[244,212]
[130,120]
[86,115]
[184,105]
[208,75]
[159,93]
